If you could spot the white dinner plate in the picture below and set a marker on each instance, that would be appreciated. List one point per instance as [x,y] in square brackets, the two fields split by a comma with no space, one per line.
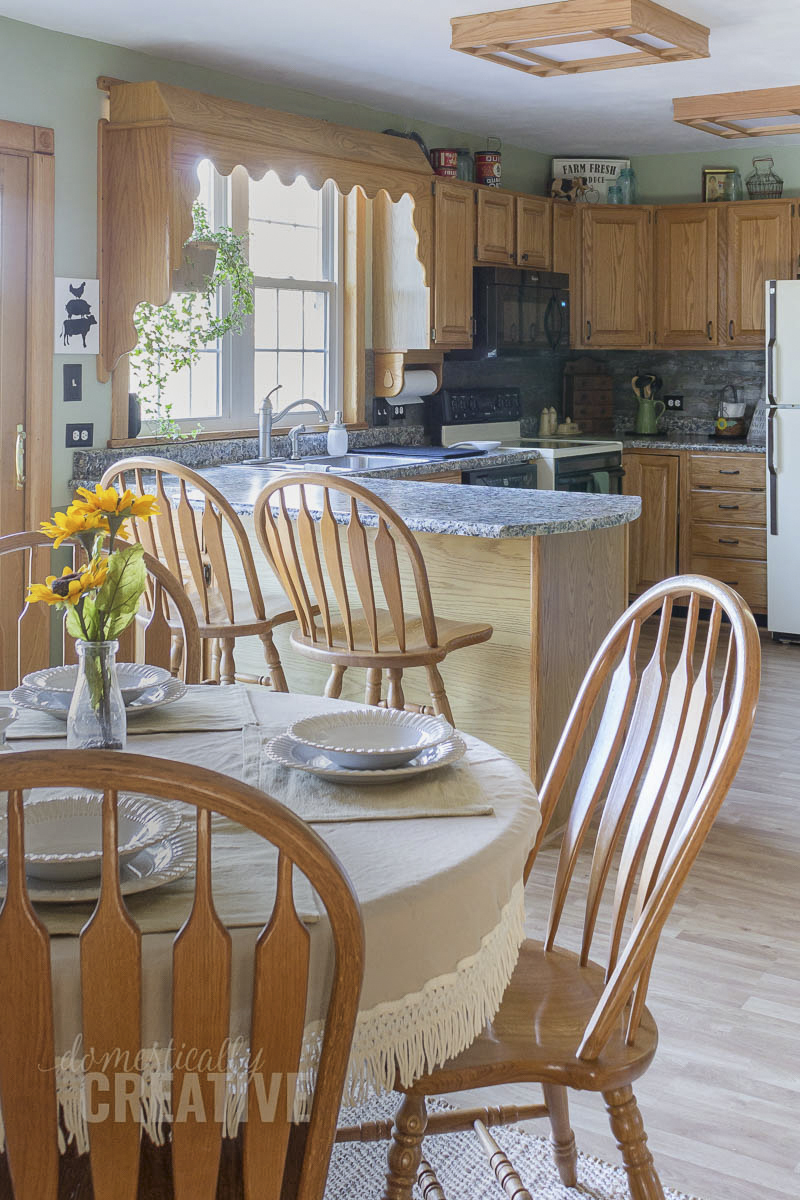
[57,704]
[288,752]
[134,679]
[475,445]
[370,739]
[151,868]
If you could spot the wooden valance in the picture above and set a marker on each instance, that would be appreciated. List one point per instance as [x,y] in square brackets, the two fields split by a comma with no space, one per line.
[148,153]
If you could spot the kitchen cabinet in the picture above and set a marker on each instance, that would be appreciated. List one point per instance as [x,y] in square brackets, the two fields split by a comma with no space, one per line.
[653,546]
[567,247]
[534,240]
[617,276]
[453,236]
[758,246]
[686,251]
[495,236]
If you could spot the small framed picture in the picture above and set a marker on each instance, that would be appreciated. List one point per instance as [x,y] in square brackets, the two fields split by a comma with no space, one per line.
[719,183]
[77,302]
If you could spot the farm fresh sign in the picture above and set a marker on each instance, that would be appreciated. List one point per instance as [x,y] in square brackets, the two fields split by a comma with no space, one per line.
[598,174]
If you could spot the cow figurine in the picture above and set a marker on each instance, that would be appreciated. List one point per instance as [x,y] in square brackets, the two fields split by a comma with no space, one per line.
[570,188]
[77,326]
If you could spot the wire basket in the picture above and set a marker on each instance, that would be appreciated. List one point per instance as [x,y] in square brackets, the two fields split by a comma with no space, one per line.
[764,183]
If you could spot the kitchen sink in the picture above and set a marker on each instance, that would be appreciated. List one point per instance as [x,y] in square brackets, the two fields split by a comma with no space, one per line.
[338,464]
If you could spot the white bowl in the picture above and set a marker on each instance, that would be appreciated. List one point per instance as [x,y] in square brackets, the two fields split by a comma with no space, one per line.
[63,833]
[372,738]
[134,679]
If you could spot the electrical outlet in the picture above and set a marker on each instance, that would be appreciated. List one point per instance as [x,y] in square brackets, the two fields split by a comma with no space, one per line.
[80,437]
[674,403]
[398,412]
[73,386]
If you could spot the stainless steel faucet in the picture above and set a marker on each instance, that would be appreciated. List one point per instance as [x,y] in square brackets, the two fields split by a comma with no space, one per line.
[266,417]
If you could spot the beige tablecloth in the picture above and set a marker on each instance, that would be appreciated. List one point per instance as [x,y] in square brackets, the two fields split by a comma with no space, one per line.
[441,897]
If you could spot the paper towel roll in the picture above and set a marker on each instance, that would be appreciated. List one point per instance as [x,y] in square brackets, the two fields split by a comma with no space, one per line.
[417,384]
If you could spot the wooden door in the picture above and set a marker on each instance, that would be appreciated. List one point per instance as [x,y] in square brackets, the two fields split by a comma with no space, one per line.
[454,233]
[686,252]
[495,240]
[654,537]
[617,276]
[566,220]
[759,247]
[534,232]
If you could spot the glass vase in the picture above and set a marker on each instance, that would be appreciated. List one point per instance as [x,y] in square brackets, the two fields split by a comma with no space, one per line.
[96,718]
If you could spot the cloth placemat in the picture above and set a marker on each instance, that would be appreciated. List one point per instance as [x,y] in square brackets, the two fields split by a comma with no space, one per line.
[204,708]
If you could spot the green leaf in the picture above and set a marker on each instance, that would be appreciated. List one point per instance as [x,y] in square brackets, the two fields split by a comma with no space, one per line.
[118,598]
[83,620]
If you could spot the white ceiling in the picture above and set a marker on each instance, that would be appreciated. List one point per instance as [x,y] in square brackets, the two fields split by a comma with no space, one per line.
[396,56]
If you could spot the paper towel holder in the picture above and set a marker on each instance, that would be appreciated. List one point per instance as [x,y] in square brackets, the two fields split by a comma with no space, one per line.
[390,368]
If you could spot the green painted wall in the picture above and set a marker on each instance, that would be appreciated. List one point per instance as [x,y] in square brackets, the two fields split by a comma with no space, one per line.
[48,79]
[677,178]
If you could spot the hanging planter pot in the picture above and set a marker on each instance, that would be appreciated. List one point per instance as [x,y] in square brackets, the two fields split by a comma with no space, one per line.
[197,268]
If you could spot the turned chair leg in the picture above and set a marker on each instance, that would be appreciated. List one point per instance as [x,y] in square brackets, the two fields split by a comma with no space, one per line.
[395,698]
[628,1129]
[441,705]
[562,1138]
[405,1148]
[274,664]
[211,659]
[227,668]
[333,688]
[372,694]
[175,654]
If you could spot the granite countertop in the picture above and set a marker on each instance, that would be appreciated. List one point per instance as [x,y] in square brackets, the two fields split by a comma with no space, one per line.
[454,508]
[689,441]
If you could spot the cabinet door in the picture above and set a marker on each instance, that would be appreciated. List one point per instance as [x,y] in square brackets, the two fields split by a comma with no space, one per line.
[534,232]
[759,247]
[686,252]
[567,260]
[453,233]
[654,537]
[617,276]
[495,239]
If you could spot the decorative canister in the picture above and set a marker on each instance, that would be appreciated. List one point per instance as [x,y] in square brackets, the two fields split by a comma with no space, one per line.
[488,163]
[445,162]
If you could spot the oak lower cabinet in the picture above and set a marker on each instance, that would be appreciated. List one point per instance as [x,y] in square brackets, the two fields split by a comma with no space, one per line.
[617,276]
[759,245]
[653,546]
[453,235]
[686,252]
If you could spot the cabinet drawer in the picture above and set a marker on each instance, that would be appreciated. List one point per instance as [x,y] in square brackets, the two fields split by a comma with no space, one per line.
[728,470]
[730,508]
[725,542]
[748,578]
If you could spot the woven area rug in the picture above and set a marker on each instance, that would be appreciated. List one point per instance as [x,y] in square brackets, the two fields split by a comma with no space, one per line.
[357,1169]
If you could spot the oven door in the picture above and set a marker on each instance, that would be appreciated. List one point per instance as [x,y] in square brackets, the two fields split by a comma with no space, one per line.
[598,474]
[521,476]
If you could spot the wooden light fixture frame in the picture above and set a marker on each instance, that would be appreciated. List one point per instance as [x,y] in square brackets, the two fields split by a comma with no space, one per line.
[515,37]
[722,114]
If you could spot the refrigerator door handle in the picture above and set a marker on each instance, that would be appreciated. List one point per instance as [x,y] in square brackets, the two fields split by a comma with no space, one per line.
[772,473]
[772,333]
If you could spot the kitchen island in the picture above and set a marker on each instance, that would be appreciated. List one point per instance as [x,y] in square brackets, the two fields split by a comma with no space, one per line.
[546,569]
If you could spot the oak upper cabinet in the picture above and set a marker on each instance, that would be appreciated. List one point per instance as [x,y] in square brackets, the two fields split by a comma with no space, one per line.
[617,276]
[453,238]
[566,219]
[534,232]
[653,554]
[495,239]
[759,246]
[686,253]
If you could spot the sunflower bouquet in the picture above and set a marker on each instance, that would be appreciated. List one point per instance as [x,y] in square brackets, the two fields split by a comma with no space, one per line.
[100,597]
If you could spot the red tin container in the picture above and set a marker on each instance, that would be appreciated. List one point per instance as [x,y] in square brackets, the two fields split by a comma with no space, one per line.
[445,162]
[488,163]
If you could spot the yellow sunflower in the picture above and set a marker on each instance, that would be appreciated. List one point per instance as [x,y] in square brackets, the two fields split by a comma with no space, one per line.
[108,502]
[72,522]
[70,586]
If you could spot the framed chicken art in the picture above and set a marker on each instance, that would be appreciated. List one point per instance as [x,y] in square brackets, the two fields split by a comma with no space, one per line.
[77,305]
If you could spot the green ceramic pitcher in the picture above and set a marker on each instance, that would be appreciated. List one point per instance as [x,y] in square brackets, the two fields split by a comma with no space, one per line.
[647,414]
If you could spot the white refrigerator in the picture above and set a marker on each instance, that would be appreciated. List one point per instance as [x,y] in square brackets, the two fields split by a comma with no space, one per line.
[783,456]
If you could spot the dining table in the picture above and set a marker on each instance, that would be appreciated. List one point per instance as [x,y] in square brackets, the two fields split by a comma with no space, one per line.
[435,859]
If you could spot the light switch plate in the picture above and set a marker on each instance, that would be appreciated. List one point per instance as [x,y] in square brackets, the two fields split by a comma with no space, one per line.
[73,381]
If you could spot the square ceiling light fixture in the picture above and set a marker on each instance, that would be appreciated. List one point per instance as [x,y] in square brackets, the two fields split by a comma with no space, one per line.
[763,113]
[580,35]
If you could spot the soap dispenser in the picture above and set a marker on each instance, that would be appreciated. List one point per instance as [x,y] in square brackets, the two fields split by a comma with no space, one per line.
[337,435]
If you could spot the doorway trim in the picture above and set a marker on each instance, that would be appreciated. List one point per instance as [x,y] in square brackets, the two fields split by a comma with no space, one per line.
[37,144]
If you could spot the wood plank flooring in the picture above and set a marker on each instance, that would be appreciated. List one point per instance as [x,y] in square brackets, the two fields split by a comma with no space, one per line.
[721,1102]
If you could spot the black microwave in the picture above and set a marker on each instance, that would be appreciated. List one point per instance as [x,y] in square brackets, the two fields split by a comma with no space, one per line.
[518,312]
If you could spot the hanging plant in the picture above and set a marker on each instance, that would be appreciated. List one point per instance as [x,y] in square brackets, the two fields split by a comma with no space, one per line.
[172,336]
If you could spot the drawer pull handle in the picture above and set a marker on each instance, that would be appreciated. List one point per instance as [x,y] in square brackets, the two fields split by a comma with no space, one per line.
[710,330]
[730,507]
[731,582]
[588,331]
[728,541]
[731,333]
[722,471]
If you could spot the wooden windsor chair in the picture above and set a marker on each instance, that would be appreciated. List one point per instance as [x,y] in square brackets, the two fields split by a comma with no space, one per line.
[667,748]
[148,640]
[193,545]
[111,998]
[322,571]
